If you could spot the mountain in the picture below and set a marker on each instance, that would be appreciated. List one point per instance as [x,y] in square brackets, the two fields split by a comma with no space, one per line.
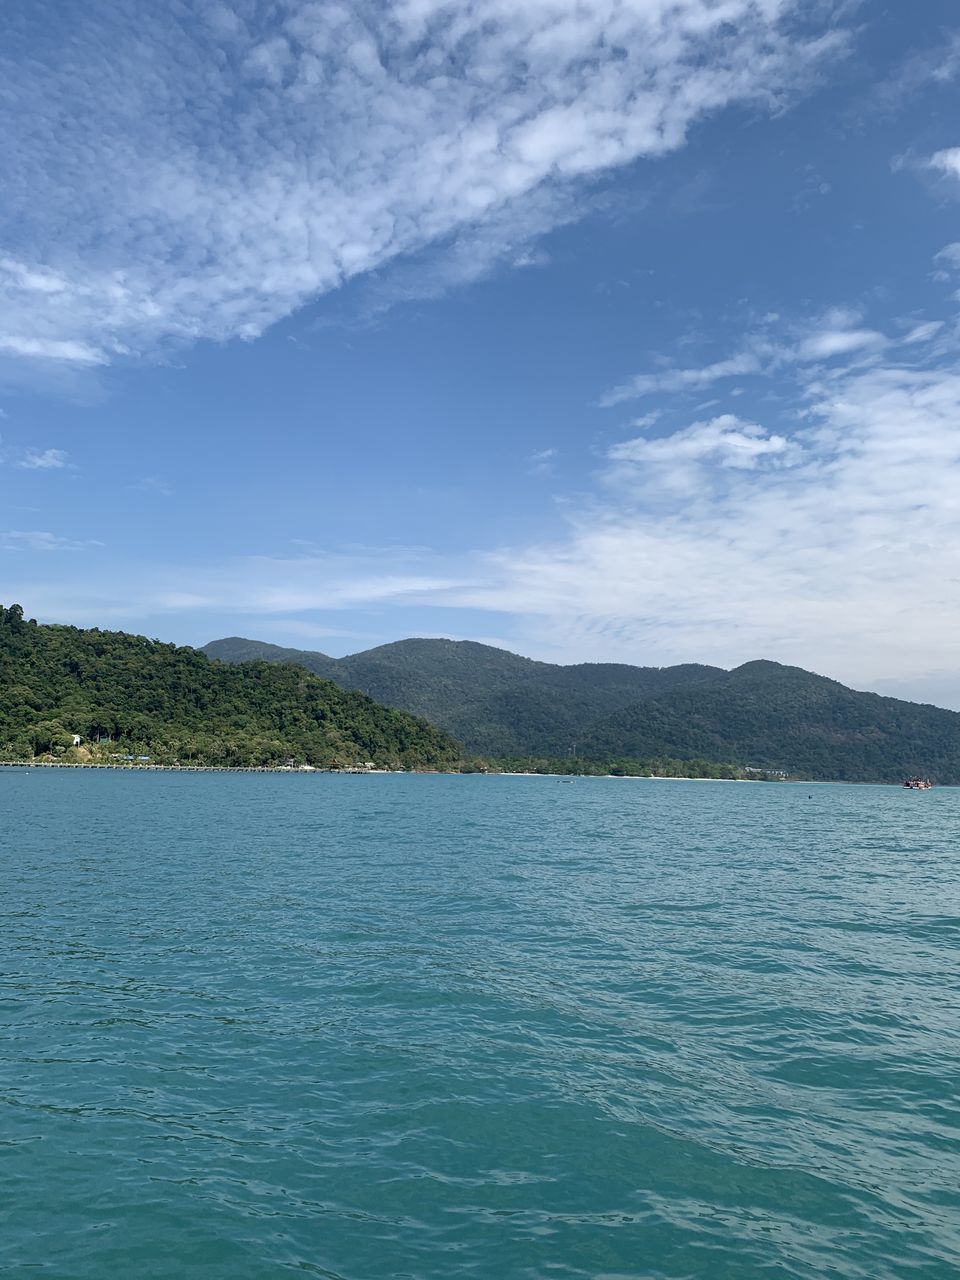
[496,702]
[125,694]
[775,717]
[761,715]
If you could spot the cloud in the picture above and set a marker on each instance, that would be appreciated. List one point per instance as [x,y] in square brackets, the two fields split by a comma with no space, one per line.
[844,562]
[304,630]
[542,461]
[41,540]
[835,333]
[827,343]
[935,67]
[153,484]
[949,257]
[201,171]
[472,253]
[922,332]
[946,162]
[51,349]
[727,441]
[44,460]
[682,379]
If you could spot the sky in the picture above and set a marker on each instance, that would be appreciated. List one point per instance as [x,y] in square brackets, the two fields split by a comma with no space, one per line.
[619,330]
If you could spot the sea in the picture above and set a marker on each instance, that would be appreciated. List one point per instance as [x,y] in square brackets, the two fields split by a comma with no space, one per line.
[421,1027]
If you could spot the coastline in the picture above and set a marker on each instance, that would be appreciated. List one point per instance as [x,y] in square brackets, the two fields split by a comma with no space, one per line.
[191,768]
[439,773]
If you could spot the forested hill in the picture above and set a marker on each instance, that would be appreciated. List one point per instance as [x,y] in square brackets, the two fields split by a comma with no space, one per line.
[125,694]
[495,702]
[776,717]
[761,715]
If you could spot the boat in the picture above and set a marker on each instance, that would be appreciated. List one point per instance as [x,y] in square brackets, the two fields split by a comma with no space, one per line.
[918,784]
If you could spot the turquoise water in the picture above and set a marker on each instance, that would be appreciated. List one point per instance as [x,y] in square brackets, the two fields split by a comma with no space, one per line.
[423,1027]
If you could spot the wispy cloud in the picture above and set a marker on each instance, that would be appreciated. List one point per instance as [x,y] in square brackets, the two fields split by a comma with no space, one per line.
[682,379]
[153,484]
[922,332]
[44,460]
[68,349]
[827,343]
[644,421]
[542,461]
[42,540]
[937,66]
[202,171]
[949,256]
[836,333]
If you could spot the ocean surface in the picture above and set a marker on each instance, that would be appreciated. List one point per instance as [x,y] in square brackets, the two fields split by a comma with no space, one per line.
[258,1026]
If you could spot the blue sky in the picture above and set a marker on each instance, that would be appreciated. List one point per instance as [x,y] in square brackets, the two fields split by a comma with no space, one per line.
[609,331]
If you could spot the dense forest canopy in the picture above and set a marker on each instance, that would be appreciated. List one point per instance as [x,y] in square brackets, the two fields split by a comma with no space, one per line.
[495,702]
[125,695]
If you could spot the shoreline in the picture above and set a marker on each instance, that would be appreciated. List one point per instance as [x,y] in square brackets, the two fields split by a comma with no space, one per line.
[440,773]
[301,769]
[186,768]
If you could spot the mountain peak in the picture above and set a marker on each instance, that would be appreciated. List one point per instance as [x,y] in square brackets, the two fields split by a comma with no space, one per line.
[767,669]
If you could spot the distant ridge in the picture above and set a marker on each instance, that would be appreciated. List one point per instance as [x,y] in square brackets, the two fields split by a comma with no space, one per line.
[761,715]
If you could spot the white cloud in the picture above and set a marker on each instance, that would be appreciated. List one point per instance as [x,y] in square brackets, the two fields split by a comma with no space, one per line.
[682,379]
[946,162]
[51,349]
[727,441]
[202,171]
[845,562]
[922,332]
[44,459]
[827,343]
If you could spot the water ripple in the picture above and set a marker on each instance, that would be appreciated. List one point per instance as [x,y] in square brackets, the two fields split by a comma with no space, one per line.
[407,1028]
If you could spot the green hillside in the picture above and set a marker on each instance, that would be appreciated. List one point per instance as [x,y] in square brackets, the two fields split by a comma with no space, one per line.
[776,717]
[496,702]
[432,678]
[762,715]
[125,694]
